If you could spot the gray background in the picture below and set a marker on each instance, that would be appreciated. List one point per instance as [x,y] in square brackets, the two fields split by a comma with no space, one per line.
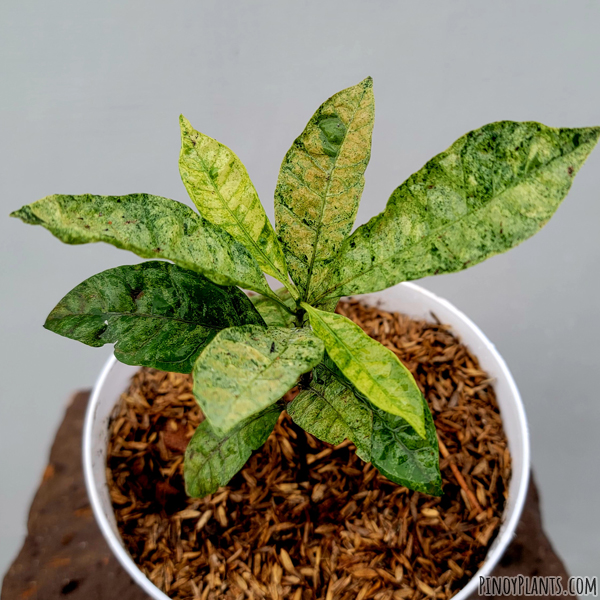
[91,92]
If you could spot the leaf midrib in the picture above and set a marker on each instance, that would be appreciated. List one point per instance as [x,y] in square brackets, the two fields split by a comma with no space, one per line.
[183,360]
[410,454]
[137,314]
[444,228]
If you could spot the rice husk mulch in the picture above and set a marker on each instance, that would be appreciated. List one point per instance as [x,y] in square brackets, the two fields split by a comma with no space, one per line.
[345,532]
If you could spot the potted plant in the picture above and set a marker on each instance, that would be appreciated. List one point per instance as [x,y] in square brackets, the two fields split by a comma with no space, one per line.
[493,188]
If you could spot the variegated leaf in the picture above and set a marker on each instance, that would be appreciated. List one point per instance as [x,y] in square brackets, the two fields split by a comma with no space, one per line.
[151,227]
[492,189]
[321,181]
[219,185]
[157,314]
[374,370]
[245,369]
[330,410]
[212,459]
[405,457]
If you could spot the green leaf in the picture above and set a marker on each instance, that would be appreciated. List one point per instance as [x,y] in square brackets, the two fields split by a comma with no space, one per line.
[492,189]
[212,459]
[321,181]
[151,227]
[330,410]
[328,305]
[273,313]
[157,314]
[373,369]
[245,369]
[220,187]
[403,456]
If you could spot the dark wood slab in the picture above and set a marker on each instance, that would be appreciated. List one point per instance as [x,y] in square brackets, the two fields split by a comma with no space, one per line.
[65,555]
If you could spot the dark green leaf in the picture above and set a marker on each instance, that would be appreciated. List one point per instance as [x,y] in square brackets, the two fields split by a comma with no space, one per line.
[212,459]
[151,227]
[331,411]
[403,456]
[245,369]
[373,369]
[492,189]
[328,304]
[158,314]
[321,181]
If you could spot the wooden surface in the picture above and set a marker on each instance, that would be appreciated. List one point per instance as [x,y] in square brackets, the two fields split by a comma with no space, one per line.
[65,554]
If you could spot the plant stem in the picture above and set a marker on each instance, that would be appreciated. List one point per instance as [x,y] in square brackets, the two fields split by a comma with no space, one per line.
[299,314]
[304,381]
[302,448]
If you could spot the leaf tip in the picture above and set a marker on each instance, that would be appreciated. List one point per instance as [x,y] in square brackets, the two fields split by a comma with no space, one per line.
[436,489]
[184,124]
[26,215]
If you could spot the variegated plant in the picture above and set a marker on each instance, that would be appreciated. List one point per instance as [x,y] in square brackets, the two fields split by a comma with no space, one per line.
[493,188]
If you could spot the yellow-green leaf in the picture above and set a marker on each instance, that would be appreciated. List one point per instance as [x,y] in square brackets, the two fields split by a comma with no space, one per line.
[492,189]
[151,227]
[245,369]
[219,185]
[321,181]
[374,370]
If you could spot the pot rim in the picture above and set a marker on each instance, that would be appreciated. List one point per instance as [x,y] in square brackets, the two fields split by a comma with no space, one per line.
[508,527]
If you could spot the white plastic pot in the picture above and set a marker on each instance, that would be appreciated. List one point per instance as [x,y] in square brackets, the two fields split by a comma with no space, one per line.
[406,298]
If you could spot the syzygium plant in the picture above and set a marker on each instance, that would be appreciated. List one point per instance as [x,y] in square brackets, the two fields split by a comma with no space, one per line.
[493,188]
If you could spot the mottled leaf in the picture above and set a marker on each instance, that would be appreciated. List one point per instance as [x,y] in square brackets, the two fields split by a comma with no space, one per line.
[403,456]
[220,187]
[212,459]
[328,304]
[151,227]
[373,369]
[321,181]
[330,410]
[492,189]
[157,314]
[245,369]
[273,313]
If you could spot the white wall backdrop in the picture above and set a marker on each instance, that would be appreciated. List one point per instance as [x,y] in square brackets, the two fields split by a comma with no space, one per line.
[90,96]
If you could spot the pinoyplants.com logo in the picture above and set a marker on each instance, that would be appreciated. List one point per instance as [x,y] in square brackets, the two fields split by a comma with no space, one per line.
[520,585]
